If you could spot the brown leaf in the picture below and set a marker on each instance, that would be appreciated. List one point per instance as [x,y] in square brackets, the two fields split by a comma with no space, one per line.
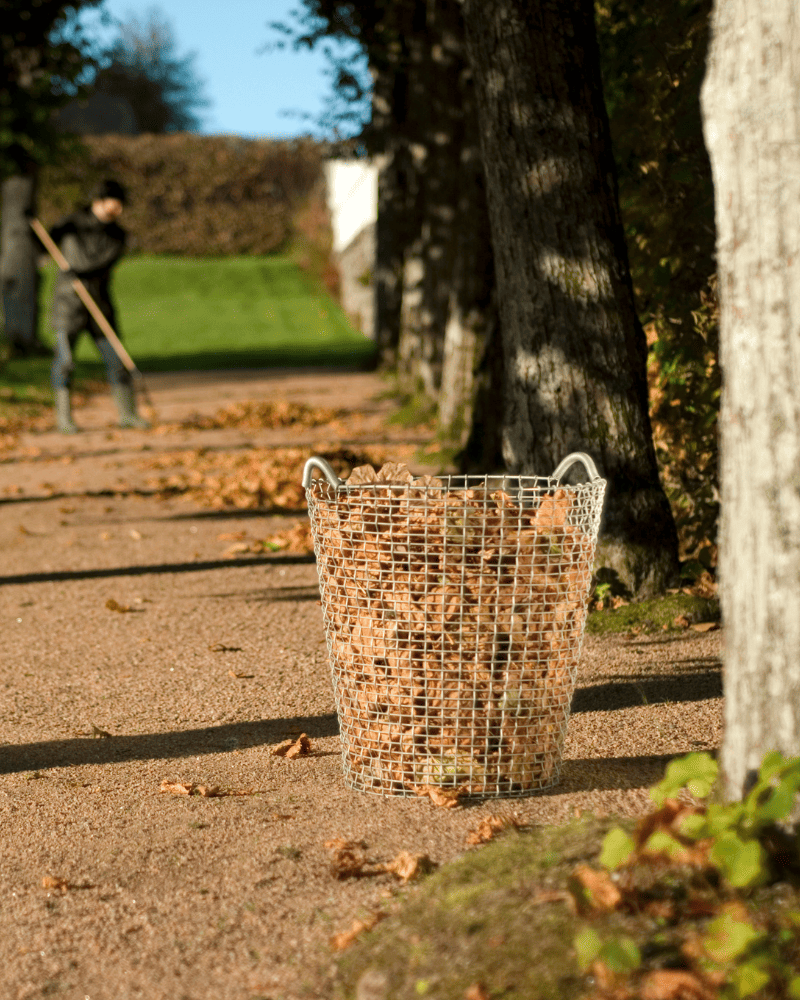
[113,605]
[239,674]
[445,798]
[477,992]
[177,788]
[674,984]
[210,792]
[681,621]
[99,733]
[348,858]
[220,647]
[489,827]
[301,747]
[705,626]
[339,942]
[594,890]
[407,866]
[56,884]
[231,536]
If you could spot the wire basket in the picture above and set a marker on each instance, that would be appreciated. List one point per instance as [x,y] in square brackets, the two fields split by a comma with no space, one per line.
[454,610]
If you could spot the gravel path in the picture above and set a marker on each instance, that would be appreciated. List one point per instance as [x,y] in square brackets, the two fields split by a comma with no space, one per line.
[153,895]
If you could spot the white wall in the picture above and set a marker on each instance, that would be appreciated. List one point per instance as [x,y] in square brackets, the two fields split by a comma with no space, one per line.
[352,198]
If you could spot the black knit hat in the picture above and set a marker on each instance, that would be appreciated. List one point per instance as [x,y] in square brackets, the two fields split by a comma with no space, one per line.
[109,189]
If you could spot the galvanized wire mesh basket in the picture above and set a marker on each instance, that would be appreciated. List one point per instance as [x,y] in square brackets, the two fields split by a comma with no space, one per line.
[454,610]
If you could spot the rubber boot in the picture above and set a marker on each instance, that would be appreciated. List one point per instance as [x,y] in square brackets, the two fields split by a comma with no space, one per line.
[126,404]
[64,421]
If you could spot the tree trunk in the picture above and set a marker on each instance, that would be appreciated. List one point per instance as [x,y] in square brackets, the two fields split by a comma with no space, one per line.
[752,129]
[471,309]
[575,353]
[18,264]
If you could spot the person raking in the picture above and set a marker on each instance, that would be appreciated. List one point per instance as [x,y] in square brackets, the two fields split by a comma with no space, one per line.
[92,241]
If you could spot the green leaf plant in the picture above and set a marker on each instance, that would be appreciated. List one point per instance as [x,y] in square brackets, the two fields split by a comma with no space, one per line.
[711,887]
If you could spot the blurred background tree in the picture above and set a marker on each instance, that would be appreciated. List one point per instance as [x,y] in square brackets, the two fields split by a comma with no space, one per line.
[45,59]
[143,67]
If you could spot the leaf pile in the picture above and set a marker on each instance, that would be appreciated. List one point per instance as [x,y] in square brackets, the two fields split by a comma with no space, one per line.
[296,539]
[257,478]
[256,415]
[454,619]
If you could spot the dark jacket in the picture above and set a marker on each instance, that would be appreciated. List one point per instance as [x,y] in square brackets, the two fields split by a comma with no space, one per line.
[92,248]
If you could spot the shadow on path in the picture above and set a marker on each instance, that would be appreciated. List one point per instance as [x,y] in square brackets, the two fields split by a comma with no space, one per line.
[649,690]
[161,746]
[155,568]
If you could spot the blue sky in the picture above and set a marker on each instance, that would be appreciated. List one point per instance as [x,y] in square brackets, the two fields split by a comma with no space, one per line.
[249,91]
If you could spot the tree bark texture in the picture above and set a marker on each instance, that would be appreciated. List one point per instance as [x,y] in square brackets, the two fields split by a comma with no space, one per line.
[575,353]
[18,263]
[751,111]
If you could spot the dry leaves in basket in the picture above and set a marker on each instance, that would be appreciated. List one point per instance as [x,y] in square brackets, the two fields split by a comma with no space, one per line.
[454,618]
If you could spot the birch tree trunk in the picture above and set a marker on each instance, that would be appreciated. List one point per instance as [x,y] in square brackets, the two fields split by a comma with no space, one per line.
[575,353]
[751,111]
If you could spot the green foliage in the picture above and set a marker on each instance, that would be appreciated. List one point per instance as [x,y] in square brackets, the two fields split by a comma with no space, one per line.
[44,57]
[653,62]
[144,68]
[695,772]
[749,951]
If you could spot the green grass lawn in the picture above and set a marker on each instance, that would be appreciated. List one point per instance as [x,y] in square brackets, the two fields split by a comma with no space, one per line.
[177,313]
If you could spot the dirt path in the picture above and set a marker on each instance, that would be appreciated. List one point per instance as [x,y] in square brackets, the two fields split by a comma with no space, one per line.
[217,660]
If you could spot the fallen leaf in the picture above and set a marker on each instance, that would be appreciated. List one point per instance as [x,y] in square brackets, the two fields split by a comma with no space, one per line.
[231,536]
[210,791]
[99,733]
[407,866]
[57,884]
[113,605]
[220,647]
[236,549]
[240,674]
[445,798]
[594,890]
[348,858]
[343,940]
[489,827]
[477,992]
[705,626]
[301,747]
[681,621]
[135,535]
[674,984]
[176,788]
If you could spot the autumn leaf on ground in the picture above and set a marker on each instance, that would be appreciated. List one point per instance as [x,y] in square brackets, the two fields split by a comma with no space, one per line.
[113,605]
[407,866]
[301,747]
[232,536]
[489,827]
[348,858]
[238,674]
[55,884]
[176,788]
[343,940]
[675,984]
[100,734]
[477,992]
[220,647]
[681,621]
[705,626]
[594,890]
[445,798]
[204,791]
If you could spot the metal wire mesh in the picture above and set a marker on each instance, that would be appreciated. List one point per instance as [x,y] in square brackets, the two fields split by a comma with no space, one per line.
[454,611]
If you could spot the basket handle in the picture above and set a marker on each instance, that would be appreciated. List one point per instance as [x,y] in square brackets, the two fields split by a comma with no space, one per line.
[570,460]
[325,467]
